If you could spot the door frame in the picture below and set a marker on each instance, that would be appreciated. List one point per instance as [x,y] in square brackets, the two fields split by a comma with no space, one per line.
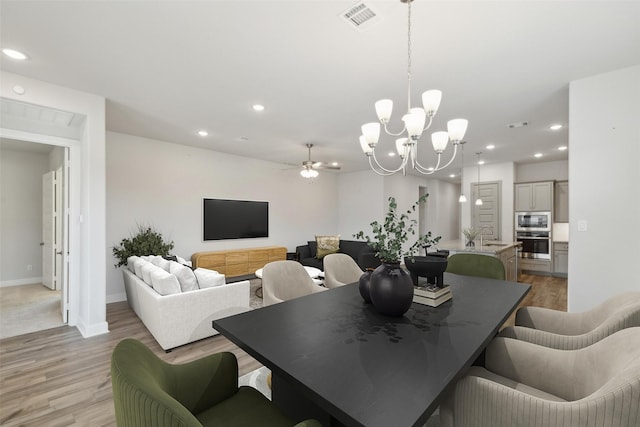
[73,179]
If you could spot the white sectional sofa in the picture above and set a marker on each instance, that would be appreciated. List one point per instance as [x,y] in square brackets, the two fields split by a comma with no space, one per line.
[174,314]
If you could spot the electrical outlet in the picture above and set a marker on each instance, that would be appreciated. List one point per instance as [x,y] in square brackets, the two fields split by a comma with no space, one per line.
[29,267]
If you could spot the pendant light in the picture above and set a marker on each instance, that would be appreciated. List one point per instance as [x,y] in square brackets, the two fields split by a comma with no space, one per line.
[478,200]
[462,198]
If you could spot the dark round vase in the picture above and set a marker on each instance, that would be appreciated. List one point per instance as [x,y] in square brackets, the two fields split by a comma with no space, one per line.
[363,286]
[391,289]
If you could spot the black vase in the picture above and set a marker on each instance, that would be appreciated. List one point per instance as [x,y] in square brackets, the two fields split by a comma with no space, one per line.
[391,289]
[363,286]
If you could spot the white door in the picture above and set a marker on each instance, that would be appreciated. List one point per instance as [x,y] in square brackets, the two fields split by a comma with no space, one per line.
[486,217]
[48,230]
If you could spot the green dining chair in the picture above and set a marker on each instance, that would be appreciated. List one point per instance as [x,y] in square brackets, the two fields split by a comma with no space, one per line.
[150,392]
[476,265]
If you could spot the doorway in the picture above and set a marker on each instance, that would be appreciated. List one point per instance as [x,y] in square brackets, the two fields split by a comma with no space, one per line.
[34,282]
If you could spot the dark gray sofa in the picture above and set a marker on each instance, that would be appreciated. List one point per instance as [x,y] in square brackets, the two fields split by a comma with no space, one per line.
[356,249]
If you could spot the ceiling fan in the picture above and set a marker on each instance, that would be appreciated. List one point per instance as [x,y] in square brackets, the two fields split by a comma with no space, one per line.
[310,167]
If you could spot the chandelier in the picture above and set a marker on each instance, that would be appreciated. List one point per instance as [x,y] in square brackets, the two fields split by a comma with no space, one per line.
[415,122]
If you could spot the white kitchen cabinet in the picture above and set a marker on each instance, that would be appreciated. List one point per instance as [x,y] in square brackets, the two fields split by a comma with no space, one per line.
[561,205]
[534,196]
[561,258]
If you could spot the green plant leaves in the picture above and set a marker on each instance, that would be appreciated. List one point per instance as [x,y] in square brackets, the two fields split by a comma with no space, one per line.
[389,237]
[146,241]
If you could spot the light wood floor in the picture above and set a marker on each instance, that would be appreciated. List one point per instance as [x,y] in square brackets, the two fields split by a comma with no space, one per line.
[57,378]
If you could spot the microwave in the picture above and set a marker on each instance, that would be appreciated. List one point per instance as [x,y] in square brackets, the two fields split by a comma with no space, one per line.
[533,221]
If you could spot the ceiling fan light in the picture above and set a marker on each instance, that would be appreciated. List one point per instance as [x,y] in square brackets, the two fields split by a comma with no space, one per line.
[457,128]
[371,132]
[431,101]
[384,107]
[309,173]
[439,140]
[414,121]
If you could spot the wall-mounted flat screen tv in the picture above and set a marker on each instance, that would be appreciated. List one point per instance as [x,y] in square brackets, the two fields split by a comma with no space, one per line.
[235,219]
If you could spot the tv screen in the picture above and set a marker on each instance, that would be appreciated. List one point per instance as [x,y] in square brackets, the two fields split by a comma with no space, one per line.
[235,219]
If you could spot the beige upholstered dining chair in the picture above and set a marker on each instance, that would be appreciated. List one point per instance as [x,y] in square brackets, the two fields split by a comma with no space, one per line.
[525,384]
[571,331]
[285,280]
[340,270]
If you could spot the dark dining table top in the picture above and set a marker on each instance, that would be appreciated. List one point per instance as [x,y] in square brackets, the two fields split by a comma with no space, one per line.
[366,369]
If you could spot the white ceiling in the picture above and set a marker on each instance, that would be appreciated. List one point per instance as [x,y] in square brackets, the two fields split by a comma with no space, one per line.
[169,68]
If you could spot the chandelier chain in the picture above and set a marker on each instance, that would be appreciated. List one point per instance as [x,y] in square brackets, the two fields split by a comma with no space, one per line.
[409,56]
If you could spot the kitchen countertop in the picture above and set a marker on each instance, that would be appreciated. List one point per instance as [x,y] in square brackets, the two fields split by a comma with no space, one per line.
[489,247]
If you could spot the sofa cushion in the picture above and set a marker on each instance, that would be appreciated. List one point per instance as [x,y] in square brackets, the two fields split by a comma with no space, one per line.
[146,269]
[137,266]
[354,248]
[164,282]
[313,248]
[208,278]
[130,261]
[187,279]
[161,262]
[327,245]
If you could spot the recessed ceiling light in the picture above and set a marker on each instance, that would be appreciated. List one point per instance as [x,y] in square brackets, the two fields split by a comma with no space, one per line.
[490,147]
[258,107]
[453,175]
[537,155]
[562,147]
[203,133]
[334,164]
[481,162]
[18,90]
[15,54]
[555,127]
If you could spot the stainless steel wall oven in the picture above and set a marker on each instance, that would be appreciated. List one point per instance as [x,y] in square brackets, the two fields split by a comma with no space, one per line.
[533,230]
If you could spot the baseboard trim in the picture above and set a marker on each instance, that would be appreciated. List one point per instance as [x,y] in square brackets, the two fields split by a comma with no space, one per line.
[116,297]
[89,331]
[21,282]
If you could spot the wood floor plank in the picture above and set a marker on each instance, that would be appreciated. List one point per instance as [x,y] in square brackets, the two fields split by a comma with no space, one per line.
[58,378]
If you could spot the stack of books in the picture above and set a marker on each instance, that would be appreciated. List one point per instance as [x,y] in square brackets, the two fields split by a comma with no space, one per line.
[431,295]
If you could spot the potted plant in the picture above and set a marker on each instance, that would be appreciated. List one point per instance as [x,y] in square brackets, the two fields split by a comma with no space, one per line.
[146,241]
[390,287]
[470,235]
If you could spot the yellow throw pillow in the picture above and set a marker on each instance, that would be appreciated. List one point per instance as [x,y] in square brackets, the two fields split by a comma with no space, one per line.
[327,245]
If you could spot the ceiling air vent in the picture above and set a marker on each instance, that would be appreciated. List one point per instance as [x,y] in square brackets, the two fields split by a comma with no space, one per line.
[517,125]
[360,16]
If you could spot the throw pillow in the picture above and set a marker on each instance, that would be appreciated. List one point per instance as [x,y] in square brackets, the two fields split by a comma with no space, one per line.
[327,245]
[137,266]
[208,278]
[187,279]
[130,263]
[313,248]
[161,262]
[164,282]
[146,272]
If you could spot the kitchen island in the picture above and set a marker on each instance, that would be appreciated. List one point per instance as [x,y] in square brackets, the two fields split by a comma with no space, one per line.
[506,251]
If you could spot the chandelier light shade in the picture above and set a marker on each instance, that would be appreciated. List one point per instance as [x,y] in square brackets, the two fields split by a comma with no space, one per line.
[414,124]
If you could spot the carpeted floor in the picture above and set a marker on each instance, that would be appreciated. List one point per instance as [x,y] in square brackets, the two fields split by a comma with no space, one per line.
[28,308]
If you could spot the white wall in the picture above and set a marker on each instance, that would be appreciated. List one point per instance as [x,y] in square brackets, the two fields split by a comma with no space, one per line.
[543,171]
[505,174]
[21,216]
[162,184]
[87,307]
[360,201]
[604,177]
